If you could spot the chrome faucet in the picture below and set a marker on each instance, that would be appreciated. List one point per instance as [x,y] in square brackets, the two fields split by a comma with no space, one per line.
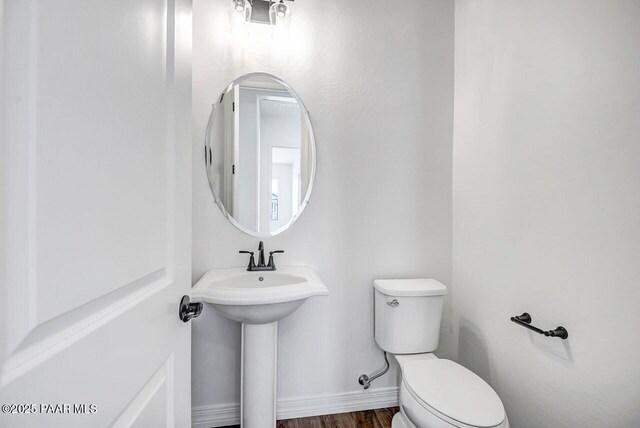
[261,266]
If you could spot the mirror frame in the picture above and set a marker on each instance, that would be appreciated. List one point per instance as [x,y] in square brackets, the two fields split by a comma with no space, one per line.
[312,138]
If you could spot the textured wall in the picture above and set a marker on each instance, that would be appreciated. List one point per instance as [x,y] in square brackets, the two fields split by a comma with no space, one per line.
[547,206]
[378,82]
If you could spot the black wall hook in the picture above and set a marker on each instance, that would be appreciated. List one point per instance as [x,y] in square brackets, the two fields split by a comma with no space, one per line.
[525,321]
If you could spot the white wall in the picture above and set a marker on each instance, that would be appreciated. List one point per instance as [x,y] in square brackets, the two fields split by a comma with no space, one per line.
[378,82]
[547,206]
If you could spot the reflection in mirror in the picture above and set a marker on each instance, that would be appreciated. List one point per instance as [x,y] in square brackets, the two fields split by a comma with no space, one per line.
[260,154]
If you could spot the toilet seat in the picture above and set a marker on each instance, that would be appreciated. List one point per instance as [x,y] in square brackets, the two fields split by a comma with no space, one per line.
[452,393]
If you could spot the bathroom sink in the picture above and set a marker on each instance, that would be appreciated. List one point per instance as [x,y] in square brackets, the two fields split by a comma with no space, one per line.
[258,300]
[258,297]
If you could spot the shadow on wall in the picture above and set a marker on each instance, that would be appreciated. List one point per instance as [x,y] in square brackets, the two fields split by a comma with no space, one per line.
[552,347]
[472,349]
[473,353]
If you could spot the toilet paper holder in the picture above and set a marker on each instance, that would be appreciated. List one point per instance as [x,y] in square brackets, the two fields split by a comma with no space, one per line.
[525,321]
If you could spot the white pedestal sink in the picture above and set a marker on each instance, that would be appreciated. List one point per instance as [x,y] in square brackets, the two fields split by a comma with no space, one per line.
[258,300]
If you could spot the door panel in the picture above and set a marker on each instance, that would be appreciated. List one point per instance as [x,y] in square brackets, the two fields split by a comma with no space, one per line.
[96,211]
[102,56]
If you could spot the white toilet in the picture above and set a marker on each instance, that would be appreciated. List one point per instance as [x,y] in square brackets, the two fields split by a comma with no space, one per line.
[434,393]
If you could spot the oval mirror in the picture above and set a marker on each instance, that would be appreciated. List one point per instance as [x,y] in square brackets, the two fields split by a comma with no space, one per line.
[260,154]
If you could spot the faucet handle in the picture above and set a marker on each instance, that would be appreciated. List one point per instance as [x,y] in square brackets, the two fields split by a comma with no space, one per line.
[252,262]
[272,264]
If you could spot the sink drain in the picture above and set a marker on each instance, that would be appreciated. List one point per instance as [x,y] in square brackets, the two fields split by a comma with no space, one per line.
[260,278]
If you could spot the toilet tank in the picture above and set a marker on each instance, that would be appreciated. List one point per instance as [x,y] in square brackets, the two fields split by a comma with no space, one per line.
[408,314]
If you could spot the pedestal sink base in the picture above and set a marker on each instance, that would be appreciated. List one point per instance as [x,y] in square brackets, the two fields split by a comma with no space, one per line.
[259,375]
[258,300]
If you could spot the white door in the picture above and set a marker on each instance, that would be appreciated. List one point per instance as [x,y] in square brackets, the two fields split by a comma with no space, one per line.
[231,108]
[95,232]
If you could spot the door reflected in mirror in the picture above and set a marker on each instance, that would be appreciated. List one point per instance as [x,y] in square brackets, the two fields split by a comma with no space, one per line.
[260,154]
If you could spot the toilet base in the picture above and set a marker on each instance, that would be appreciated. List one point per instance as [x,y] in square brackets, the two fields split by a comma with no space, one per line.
[415,415]
[401,421]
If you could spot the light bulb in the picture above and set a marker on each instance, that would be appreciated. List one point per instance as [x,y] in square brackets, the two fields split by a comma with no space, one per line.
[239,5]
[279,10]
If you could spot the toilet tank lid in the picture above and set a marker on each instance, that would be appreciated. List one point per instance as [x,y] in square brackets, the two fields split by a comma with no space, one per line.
[410,287]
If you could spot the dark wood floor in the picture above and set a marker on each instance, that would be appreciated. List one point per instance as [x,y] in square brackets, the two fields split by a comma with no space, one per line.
[379,418]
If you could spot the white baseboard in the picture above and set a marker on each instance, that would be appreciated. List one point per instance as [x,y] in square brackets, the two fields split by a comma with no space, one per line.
[219,415]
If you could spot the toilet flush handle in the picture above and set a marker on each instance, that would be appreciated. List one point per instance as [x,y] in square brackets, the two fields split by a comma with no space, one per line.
[394,303]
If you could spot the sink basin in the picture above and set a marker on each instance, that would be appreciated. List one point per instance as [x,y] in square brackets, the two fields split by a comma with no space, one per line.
[258,297]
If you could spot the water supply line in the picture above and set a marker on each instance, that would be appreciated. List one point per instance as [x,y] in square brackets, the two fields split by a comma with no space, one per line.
[365,380]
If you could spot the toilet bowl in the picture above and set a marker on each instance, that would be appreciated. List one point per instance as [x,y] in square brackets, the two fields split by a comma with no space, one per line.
[434,393]
[439,393]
